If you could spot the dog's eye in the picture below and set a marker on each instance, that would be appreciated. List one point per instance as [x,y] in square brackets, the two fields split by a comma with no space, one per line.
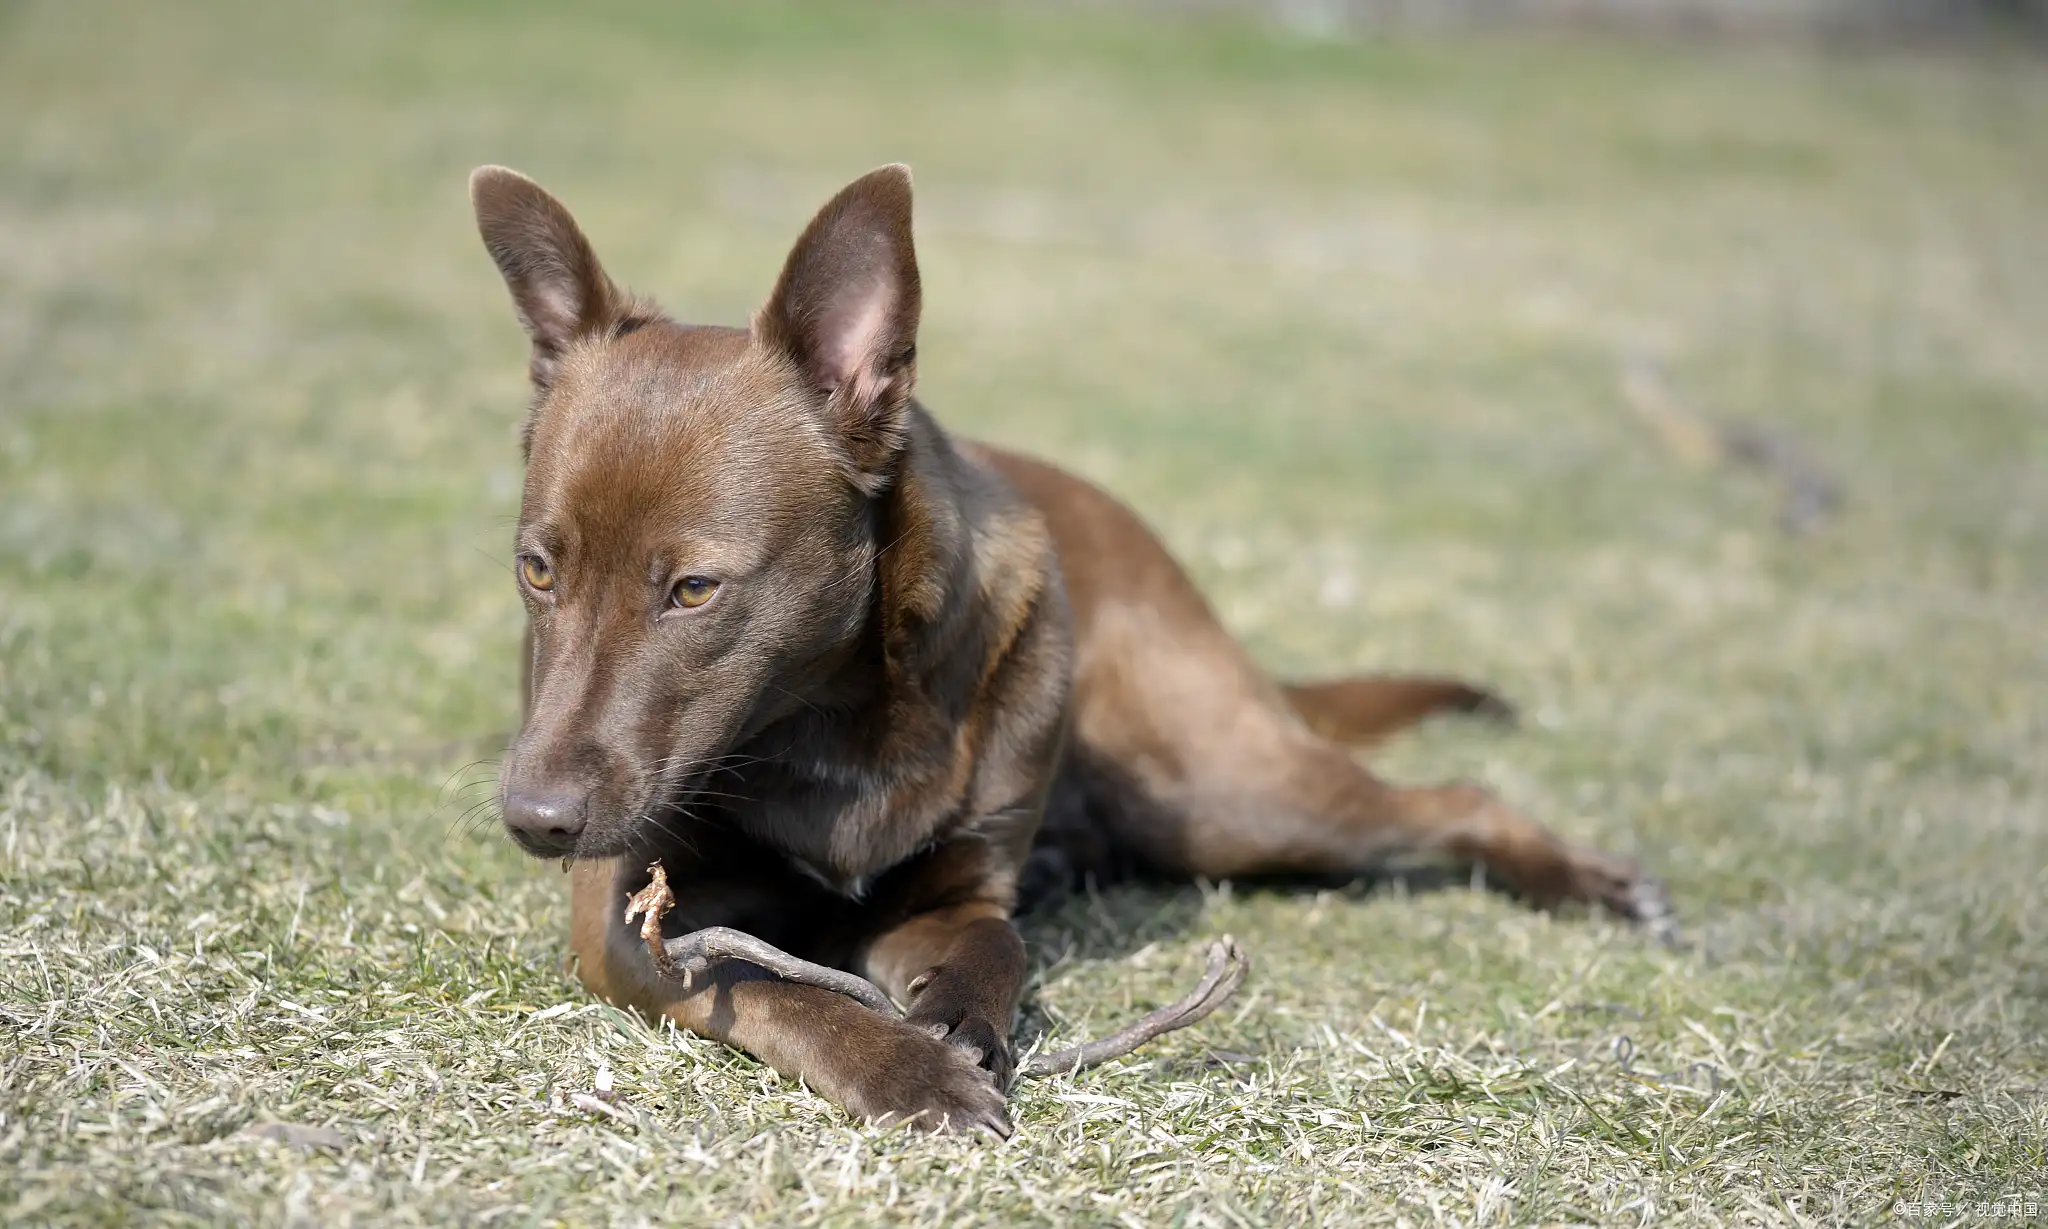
[537,573]
[693,591]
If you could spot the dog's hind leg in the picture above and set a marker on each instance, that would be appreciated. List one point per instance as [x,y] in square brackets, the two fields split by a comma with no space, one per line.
[1292,803]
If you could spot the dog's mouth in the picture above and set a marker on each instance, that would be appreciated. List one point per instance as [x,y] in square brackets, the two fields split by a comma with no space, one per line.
[615,832]
[547,847]
[554,827]
[639,809]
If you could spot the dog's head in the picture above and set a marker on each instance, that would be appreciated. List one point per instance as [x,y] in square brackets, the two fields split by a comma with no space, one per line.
[696,540]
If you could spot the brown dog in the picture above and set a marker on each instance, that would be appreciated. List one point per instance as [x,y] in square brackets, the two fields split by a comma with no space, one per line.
[843,675]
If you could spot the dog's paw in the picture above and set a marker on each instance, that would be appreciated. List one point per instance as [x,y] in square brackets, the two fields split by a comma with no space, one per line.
[1621,887]
[930,1084]
[980,1040]
[1488,706]
[947,1007]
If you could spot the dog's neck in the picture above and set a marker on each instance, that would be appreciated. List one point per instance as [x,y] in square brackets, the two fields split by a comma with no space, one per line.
[928,587]
[878,721]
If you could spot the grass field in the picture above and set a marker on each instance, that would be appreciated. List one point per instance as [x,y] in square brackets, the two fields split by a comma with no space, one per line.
[1345,321]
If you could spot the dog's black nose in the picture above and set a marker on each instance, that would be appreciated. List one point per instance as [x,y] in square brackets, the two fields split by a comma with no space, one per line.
[546,820]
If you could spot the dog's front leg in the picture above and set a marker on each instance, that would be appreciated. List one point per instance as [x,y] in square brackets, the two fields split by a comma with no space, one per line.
[959,970]
[878,1068]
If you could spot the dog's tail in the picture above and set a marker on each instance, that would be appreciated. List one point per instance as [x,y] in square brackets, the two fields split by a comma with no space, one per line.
[1364,709]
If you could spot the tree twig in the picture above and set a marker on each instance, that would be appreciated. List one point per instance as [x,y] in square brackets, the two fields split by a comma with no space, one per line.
[687,955]
[1811,493]
[1228,965]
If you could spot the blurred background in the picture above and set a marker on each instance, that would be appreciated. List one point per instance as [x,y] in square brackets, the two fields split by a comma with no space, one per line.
[1675,365]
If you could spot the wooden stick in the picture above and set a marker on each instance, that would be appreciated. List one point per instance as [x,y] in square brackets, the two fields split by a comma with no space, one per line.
[687,955]
[1811,494]
[1228,965]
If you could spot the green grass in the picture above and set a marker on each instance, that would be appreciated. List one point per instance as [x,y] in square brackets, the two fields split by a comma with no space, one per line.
[1344,320]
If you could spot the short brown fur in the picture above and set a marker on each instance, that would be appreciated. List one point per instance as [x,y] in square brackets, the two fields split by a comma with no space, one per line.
[851,680]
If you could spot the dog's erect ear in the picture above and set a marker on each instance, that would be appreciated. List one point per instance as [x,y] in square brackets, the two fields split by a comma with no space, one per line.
[845,309]
[559,289]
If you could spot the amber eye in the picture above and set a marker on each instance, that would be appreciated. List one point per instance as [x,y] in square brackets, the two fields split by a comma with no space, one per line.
[537,573]
[693,591]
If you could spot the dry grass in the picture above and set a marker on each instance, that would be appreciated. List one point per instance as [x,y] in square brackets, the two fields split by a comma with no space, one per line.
[1346,321]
